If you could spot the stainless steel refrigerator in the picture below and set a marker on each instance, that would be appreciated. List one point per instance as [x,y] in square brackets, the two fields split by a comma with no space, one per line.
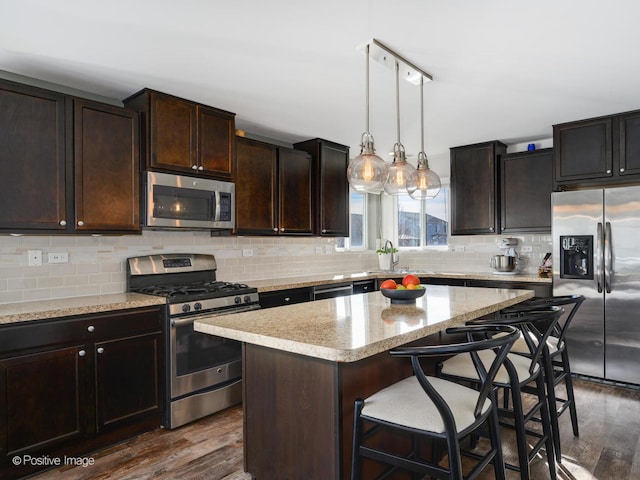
[596,252]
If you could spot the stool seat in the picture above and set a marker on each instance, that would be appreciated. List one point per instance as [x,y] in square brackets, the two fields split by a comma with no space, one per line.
[461,366]
[405,403]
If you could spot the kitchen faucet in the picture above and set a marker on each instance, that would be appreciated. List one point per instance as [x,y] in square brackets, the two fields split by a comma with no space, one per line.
[393,261]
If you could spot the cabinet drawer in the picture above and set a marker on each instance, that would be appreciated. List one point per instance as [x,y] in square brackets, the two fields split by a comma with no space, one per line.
[33,335]
[285,297]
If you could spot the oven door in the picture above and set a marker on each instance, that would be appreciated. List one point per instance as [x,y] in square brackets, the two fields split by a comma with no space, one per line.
[200,361]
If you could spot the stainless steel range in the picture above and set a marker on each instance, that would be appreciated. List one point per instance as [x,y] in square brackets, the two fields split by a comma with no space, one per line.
[204,372]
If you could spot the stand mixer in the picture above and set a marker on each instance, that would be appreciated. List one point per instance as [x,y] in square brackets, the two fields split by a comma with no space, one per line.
[507,262]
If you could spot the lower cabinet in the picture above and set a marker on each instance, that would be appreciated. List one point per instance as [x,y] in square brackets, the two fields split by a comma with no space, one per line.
[289,296]
[70,386]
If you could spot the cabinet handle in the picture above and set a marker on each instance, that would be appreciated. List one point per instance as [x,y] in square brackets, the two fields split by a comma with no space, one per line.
[63,223]
[80,223]
[82,353]
[194,167]
[275,229]
[609,171]
[324,230]
[100,350]
[287,299]
[622,170]
[90,328]
[201,168]
[282,229]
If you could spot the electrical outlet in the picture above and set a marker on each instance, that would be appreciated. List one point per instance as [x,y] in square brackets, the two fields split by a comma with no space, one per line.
[526,249]
[459,248]
[35,258]
[247,252]
[62,257]
[319,249]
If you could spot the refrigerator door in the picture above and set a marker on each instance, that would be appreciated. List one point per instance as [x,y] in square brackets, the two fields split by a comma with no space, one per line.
[622,269]
[575,230]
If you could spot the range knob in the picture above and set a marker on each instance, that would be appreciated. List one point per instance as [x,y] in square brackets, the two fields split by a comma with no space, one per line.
[197,306]
[237,300]
[186,308]
[247,299]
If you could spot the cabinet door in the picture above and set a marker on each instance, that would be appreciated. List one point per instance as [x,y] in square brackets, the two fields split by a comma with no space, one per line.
[42,399]
[106,156]
[215,142]
[294,186]
[256,188]
[629,143]
[128,380]
[474,188]
[526,183]
[32,156]
[173,133]
[332,194]
[583,150]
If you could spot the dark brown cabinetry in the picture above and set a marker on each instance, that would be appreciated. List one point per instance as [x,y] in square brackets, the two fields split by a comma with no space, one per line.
[526,183]
[330,186]
[274,189]
[33,158]
[106,174]
[289,296]
[597,152]
[69,165]
[475,205]
[69,386]
[181,136]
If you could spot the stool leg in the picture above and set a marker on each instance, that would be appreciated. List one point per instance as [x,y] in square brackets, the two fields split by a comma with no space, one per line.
[494,431]
[546,427]
[356,461]
[521,435]
[549,379]
[568,382]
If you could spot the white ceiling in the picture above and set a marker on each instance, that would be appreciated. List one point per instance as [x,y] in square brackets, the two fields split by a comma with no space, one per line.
[502,69]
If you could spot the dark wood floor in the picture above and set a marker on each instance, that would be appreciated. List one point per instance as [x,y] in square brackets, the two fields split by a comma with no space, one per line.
[607,449]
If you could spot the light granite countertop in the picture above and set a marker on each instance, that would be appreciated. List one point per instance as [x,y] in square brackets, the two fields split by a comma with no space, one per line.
[64,307]
[299,281]
[347,329]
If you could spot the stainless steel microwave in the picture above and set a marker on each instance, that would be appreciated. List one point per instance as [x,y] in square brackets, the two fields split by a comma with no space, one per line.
[178,201]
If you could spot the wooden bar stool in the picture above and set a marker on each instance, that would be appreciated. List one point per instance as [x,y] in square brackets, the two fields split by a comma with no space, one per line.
[557,369]
[436,409]
[513,378]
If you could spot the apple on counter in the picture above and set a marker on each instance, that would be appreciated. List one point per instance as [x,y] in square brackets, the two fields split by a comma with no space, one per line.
[409,282]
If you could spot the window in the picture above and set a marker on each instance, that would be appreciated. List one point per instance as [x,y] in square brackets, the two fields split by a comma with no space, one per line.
[423,223]
[357,223]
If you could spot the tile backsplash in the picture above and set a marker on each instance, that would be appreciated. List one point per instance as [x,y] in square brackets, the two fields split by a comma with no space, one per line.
[97,263]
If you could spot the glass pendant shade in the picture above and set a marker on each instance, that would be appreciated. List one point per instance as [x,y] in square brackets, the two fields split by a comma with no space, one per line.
[399,172]
[424,182]
[367,172]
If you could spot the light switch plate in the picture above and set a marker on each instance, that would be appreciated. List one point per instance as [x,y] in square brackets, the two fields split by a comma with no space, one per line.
[34,258]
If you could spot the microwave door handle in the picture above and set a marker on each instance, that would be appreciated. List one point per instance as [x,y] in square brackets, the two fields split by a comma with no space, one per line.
[608,257]
[216,207]
[599,258]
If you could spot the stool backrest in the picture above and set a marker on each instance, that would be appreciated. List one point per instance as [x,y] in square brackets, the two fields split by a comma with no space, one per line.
[480,337]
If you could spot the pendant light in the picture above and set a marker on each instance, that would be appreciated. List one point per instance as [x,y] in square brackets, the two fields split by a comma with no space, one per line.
[424,182]
[399,170]
[367,172]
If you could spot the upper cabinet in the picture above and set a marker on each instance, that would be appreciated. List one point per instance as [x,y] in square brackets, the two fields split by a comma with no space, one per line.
[526,183]
[32,155]
[597,152]
[185,137]
[273,189]
[474,189]
[69,165]
[330,186]
[107,177]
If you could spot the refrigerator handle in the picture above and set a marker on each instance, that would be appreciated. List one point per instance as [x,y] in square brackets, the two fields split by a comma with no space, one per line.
[608,257]
[599,257]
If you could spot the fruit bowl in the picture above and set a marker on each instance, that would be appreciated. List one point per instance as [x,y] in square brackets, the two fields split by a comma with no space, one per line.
[402,296]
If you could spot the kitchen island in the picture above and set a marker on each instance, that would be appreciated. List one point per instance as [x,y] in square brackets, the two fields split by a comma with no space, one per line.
[305,364]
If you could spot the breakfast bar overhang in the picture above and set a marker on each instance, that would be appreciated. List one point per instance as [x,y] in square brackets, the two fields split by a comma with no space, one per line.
[305,364]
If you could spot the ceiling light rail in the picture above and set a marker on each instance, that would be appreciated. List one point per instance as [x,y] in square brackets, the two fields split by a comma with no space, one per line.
[384,55]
